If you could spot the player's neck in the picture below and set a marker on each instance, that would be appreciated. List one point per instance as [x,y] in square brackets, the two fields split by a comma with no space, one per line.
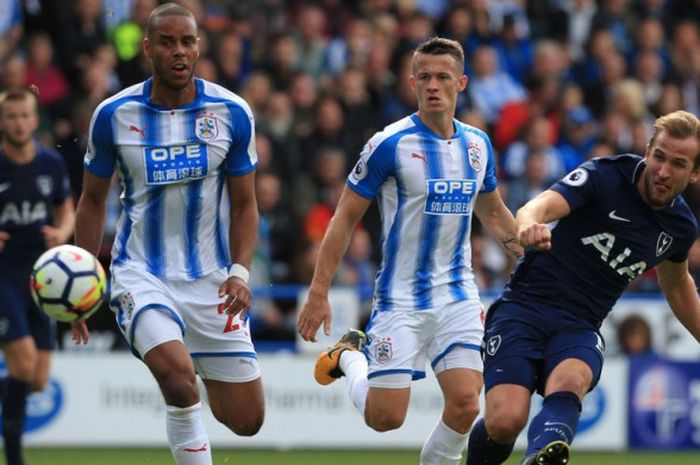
[441,124]
[19,154]
[172,98]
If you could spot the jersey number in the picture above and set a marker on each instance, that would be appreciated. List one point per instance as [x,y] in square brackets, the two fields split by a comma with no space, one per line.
[229,321]
[604,242]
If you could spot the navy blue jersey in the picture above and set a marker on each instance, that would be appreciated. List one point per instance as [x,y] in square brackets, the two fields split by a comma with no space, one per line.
[27,194]
[610,237]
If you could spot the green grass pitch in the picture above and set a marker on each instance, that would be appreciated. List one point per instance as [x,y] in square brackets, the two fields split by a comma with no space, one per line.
[352,457]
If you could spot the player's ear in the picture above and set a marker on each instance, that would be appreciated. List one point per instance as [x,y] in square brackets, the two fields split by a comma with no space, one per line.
[463,82]
[695,174]
[146,45]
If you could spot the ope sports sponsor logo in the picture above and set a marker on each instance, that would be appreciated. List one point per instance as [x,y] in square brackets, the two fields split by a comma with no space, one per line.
[165,165]
[449,196]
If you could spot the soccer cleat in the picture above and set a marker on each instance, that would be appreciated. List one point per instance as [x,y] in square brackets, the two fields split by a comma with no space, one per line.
[554,453]
[327,369]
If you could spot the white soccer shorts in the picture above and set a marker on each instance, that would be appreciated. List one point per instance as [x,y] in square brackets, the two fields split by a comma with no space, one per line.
[212,337]
[402,342]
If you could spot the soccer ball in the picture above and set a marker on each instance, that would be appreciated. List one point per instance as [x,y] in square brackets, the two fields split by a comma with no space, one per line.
[68,283]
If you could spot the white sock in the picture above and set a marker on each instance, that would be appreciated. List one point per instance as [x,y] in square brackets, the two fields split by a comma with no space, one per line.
[187,437]
[354,365]
[444,446]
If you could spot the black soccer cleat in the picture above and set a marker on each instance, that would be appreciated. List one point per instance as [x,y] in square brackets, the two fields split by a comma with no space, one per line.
[327,369]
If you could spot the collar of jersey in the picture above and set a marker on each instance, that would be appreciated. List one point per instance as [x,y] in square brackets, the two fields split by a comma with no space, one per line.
[193,104]
[422,126]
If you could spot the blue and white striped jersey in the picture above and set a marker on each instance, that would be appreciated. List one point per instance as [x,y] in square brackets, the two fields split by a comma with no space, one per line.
[426,187]
[172,165]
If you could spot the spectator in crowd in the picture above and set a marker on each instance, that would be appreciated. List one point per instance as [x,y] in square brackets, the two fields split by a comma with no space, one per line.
[634,336]
[489,87]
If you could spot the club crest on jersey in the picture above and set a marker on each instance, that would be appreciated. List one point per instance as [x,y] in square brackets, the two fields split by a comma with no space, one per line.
[474,157]
[577,177]
[493,344]
[206,126]
[127,304]
[383,351]
[663,243]
[44,184]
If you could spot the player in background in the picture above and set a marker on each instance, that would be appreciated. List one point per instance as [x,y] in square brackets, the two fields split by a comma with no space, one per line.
[430,173]
[616,218]
[36,213]
[185,153]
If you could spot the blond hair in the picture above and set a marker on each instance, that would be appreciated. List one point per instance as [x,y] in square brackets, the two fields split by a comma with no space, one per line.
[679,125]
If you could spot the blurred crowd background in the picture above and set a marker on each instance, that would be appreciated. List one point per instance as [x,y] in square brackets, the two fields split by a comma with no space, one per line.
[553,82]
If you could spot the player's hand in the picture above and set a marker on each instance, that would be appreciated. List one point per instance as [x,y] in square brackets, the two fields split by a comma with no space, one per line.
[80,331]
[4,237]
[316,310]
[536,235]
[52,236]
[238,296]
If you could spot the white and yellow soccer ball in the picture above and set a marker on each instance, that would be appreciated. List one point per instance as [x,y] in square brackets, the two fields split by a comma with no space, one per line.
[68,283]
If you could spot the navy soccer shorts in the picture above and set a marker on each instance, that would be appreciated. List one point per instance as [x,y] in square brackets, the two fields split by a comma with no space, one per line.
[523,344]
[20,317]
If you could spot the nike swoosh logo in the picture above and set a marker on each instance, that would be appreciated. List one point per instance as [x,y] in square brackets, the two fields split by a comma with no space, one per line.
[613,216]
[5,186]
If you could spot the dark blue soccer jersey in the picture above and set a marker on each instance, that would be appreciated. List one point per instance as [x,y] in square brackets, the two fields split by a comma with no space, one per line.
[28,192]
[610,237]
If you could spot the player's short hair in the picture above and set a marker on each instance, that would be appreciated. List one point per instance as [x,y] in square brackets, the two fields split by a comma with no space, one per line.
[679,125]
[16,95]
[441,46]
[167,9]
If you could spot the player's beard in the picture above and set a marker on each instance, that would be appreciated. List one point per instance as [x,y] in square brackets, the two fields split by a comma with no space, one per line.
[15,142]
[650,198]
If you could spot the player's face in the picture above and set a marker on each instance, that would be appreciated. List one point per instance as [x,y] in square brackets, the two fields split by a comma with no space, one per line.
[669,169]
[173,48]
[18,121]
[436,81]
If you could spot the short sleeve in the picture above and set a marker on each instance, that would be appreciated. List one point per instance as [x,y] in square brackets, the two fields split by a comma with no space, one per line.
[376,164]
[581,186]
[101,155]
[242,155]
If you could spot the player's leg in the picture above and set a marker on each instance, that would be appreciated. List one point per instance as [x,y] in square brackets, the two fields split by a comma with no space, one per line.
[511,352]
[20,353]
[573,365]
[42,371]
[20,357]
[384,403]
[158,338]
[147,315]
[456,361]
[235,392]
[448,439]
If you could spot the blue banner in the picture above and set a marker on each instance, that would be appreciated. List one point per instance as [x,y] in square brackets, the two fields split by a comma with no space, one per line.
[664,404]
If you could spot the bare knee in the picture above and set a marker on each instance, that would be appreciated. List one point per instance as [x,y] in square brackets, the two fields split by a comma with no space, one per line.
[384,420]
[461,411]
[240,425]
[178,385]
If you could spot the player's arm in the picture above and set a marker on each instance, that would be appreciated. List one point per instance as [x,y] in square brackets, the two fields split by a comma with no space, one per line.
[63,224]
[498,221]
[243,236]
[89,228]
[682,296]
[351,207]
[532,218]
[91,213]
